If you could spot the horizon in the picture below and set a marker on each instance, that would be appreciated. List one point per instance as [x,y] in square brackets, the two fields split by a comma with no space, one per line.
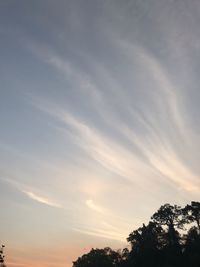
[99,115]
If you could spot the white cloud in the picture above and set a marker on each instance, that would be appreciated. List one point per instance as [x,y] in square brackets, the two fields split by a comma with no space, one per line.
[118,159]
[90,203]
[163,123]
[42,199]
[103,233]
[62,65]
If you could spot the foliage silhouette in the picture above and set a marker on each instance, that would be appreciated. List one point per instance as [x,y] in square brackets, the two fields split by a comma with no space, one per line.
[99,258]
[192,248]
[192,213]
[2,257]
[160,243]
[146,242]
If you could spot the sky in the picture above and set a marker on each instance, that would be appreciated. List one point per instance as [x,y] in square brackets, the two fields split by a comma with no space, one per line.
[99,122]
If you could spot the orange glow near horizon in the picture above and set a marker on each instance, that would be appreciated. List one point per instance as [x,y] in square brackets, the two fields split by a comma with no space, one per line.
[43,258]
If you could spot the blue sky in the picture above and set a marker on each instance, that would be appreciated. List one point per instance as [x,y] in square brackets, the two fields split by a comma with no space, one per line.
[99,115]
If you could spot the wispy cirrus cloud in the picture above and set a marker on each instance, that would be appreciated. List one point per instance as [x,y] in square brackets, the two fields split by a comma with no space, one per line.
[90,203]
[111,155]
[28,191]
[42,199]
[165,124]
[64,66]
[161,117]
[107,234]
[157,149]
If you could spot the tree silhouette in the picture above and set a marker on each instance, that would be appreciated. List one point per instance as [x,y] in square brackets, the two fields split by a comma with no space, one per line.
[146,243]
[99,258]
[157,244]
[192,248]
[171,217]
[192,213]
[2,257]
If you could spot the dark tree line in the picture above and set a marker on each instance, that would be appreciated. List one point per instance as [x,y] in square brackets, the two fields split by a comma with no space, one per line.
[170,239]
[2,257]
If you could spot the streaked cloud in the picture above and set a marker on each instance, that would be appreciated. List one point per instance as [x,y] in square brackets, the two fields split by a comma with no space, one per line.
[157,149]
[42,200]
[90,203]
[103,234]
